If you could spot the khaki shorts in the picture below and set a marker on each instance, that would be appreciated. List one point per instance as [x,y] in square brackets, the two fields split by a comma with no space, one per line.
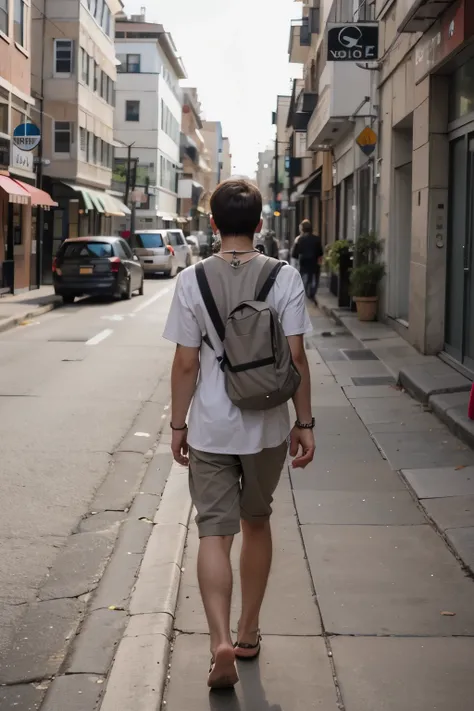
[226,487]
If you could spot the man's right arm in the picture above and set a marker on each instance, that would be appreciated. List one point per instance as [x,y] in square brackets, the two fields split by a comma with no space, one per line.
[301,439]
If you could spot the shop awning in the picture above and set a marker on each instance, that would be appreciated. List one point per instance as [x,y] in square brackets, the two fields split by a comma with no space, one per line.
[100,201]
[166,216]
[38,197]
[85,194]
[308,186]
[15,192]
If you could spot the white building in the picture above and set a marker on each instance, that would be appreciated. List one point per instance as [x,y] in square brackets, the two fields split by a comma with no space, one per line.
[148,117]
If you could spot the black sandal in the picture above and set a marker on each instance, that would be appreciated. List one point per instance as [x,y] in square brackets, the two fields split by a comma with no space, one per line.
[252,649]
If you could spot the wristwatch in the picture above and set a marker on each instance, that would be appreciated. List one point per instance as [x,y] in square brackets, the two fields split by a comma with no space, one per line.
[305,425]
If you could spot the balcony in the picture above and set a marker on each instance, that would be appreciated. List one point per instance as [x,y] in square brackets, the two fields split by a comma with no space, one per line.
[300,41]
[343,85]
[419,15]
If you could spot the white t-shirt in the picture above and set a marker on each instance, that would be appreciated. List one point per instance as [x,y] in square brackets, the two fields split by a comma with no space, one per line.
[215,423]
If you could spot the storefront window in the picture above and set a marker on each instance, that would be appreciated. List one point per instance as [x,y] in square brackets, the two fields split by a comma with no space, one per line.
[17,224]
[462,92]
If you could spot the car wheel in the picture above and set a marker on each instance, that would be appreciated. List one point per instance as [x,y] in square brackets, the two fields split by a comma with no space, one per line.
[127,294]
[141,289]
[68,298]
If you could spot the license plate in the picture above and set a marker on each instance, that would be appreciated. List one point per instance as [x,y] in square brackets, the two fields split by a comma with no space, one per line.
[86,270]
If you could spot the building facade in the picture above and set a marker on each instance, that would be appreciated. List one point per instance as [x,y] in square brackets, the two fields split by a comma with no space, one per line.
[74,85]
[19,200]
[226,170]
[148,118]
[213,138]
[427,175]
[265,177]
[194,186]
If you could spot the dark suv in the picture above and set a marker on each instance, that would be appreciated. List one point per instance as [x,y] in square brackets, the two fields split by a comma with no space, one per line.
[91,266]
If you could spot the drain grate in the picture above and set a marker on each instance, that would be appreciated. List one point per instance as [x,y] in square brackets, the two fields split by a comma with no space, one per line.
[361,354]
[68,339]
[370,380]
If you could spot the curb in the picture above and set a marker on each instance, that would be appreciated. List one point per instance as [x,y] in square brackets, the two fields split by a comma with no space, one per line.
[14,321]
[140,669]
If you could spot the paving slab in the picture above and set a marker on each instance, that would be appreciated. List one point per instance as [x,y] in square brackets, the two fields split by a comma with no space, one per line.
[328,396]
[77,692]
[137,679]
[339,475]
[289,607]
[377,410]
[270,683]
[93,649]
[462,540]
[423,381]
[393,580]
[357,391]
[79,565]
[420,422]
[451,511]
[413,674]
[121,484]
[438,482]
[334,420]
[414,450]
[371,508]
[102,521]
[367,330]
[41,640]
[134,535]
[21,697]
[351,447]
[358,367]
[115,587]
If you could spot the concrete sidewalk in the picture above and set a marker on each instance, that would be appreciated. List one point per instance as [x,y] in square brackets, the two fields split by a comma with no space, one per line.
[24,307]
[368,607]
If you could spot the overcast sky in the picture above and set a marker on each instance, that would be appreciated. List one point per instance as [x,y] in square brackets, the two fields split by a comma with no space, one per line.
[236,54]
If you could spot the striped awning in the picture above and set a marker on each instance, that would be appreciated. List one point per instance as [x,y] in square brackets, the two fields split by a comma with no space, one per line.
[16,193]
[38,197]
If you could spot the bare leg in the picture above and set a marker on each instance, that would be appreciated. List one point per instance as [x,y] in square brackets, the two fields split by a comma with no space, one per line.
[255,563]
[215,583]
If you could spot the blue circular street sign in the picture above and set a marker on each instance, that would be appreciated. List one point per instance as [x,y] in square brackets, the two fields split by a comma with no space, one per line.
[26,136]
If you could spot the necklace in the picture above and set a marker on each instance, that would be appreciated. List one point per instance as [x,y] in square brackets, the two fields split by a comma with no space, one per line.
[235,261]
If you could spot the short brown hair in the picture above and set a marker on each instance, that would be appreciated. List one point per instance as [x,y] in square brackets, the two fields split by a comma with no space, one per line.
[236,207]
[306,226]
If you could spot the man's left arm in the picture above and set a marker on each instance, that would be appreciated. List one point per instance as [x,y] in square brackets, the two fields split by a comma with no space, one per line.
[184,374]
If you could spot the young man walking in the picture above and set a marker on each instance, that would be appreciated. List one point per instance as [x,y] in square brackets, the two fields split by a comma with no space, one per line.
[235,455]
[308,251]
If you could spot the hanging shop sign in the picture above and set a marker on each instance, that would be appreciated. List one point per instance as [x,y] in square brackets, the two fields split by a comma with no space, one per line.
[367,141]
[358,42]
[26,136]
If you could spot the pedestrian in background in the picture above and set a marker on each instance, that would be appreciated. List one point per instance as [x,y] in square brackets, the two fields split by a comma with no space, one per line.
[308,250]
[271,245]
[235,455]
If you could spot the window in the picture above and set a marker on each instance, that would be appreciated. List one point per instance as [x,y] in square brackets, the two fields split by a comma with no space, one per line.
[3,118]
[132,111]
[107,24]
[82,140]
[85,60]
[149,241]
[98,10]
[96,76]
[126,249]
[90,147]
[86,249]
[62,137]
[95,151]
[19,23]
[4,16]
[129,63]
[63,53]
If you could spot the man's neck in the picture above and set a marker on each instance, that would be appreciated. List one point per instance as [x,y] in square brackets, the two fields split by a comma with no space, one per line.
[239,243]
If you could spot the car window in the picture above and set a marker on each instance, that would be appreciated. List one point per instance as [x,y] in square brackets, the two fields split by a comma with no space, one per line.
[173,237]
[149,241]
[86,250]
[126,249]
[119,250]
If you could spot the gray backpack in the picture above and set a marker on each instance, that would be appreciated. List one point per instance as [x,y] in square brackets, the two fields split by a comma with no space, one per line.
[257,364]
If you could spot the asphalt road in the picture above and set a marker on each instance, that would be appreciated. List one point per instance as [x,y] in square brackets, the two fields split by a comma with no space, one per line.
[71,385]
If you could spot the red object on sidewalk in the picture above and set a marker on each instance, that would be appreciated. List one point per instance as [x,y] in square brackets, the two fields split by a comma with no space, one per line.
[470,409]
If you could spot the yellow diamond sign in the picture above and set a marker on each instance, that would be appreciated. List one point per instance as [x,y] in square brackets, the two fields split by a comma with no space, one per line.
[367,140]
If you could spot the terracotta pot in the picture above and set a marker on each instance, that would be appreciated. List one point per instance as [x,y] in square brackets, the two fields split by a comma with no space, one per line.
[366,307]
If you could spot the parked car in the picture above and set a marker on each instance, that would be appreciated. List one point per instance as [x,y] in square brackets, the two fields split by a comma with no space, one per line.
[161,251]
[90,266]
[205,243]
[194,244]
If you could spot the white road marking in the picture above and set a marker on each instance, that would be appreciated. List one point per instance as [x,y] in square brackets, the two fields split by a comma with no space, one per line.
[115,317]
[148,302]
[142,434]
[100,337]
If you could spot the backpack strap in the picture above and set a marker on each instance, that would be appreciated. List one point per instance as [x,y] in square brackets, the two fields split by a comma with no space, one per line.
[270,279]
[209,303]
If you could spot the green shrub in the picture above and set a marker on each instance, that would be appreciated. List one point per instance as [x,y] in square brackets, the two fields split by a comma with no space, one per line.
[365,279]
[333,254]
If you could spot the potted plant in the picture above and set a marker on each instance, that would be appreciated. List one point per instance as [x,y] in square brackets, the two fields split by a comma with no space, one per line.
[332,260]
[366,276]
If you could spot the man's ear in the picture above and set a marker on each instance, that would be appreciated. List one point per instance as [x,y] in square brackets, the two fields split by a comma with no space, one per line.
[259,227]
[214,227]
